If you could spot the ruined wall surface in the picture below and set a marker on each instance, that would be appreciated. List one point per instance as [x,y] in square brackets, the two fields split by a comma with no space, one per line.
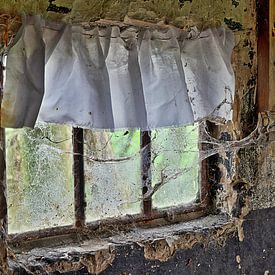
[254,255]
[244,179]
[173,12]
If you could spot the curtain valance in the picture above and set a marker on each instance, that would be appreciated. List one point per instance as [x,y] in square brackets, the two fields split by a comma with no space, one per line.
[109,78]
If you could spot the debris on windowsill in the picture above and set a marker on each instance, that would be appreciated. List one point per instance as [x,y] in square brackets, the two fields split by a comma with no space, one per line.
[97,254]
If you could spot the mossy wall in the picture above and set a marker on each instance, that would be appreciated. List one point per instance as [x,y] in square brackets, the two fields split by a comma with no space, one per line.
[235,13]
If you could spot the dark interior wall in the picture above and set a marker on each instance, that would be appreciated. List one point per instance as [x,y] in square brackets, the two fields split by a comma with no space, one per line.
[254,256]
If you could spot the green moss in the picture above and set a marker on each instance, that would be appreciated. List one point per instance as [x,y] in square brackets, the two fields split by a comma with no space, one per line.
[203,14]
[156,9]
[17,7]
[64,3]
[143,14]
[115,9]
[86,10]
[170,11]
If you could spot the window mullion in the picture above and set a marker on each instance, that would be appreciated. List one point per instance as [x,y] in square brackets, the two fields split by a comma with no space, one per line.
[3,198]
[79,181]
[145,144]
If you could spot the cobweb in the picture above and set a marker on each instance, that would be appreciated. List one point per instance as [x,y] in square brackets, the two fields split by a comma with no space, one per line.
[40,174]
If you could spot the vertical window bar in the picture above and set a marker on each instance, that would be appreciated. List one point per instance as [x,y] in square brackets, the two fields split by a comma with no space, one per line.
[3,198]
[79,183]
[263,54]
[204,168]
[145,145]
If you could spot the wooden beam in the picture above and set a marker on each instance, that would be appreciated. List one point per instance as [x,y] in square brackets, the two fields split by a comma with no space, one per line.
[271,105]
[145,146]
[263,56]
[79,184]
[266,56]
[3,198]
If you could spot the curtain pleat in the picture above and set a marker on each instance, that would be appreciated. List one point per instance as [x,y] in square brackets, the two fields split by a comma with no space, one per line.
[24,85]
[107,78]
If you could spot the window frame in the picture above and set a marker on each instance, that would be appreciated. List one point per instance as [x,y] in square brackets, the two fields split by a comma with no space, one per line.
[149,217]
[265,56]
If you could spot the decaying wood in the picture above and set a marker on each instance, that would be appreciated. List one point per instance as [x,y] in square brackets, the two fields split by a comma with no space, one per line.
[3,200]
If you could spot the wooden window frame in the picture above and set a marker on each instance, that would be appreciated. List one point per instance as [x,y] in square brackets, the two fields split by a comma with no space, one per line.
[266,56]
[149,217]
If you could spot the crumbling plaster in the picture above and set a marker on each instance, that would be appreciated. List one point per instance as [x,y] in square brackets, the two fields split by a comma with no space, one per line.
[237,185]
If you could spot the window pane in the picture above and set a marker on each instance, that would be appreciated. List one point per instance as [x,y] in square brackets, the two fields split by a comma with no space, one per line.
[39,177]
[175,167]
[113,188]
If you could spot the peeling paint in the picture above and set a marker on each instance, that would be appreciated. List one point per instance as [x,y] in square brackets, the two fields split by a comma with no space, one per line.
[164,249]
[158,244]
[63,259]
[235,3]
[94,262]
[233,25]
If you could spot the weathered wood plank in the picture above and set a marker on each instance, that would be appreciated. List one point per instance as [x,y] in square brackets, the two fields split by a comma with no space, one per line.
[3,200]
[263,56]
[271,104]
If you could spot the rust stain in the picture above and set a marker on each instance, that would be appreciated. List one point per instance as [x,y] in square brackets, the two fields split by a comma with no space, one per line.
[8,117]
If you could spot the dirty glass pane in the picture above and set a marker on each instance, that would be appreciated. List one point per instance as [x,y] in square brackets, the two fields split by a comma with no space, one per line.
[112,173]
[39,177]
[175,166]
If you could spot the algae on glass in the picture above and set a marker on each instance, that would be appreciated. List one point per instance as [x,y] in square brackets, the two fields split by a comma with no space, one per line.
[39,177]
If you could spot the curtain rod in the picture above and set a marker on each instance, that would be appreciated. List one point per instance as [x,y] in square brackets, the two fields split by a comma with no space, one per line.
[132,23]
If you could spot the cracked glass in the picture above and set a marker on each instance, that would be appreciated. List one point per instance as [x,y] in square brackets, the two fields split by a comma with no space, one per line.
[112,173]
[39,177]
[175,166]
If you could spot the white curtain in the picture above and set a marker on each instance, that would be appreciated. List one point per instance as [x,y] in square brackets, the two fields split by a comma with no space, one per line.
[108,78]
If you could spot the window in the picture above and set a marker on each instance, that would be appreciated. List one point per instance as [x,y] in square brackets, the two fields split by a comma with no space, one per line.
[39,178]
[66,178]
[58,176]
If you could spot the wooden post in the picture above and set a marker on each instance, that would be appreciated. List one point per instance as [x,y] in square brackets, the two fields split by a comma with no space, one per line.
[263,56]
[3,199]
[79,184]
[145,146]
[271,105]
[266,56]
